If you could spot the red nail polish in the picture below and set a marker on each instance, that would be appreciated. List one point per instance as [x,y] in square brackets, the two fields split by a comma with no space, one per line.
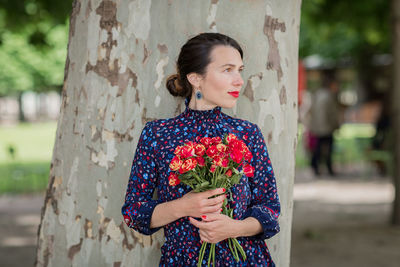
[220,210]
[223,190]
[204,217]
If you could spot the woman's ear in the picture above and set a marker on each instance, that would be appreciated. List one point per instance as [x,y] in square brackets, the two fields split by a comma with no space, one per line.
[194,79]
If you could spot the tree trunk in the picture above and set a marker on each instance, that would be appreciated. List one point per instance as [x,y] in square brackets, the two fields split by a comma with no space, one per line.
[396,108]
[21,115]
[119,54]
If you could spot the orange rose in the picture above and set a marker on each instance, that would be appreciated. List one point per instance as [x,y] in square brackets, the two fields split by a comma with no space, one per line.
[228,173]
[199,149]
[221,148]
[217,161]
[248,170]
[173,179]
[175,164]
[178,150]
[230,137]
[188,165]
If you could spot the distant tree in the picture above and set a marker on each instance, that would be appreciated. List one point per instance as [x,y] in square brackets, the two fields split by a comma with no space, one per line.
[33,45]
[354,31]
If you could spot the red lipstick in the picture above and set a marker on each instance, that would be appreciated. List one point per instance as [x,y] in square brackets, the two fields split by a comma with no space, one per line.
[234,94]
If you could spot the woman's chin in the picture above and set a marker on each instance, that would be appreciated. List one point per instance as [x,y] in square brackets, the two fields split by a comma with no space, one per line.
[229,105]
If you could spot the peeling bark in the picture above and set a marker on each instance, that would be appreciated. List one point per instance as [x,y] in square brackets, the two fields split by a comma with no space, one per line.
[74,249]
[274,59]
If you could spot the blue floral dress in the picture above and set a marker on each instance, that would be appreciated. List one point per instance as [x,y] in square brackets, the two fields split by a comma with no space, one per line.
[254,196]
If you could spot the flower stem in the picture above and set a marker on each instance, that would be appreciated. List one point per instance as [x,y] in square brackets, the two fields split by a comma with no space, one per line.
[239,247]
[201,253]
[209,256]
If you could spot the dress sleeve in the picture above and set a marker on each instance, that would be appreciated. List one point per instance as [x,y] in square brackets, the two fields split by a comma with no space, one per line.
[264,203]
[139,205]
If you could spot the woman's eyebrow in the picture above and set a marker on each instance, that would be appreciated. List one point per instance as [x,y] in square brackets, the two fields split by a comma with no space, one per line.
[231,65]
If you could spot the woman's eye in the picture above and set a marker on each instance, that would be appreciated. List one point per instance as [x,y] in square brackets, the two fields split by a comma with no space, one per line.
[228,69]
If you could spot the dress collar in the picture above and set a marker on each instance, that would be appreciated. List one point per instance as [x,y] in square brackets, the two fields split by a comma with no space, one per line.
[201,114]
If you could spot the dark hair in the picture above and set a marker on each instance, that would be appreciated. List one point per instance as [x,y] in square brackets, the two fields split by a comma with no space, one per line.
[195,55]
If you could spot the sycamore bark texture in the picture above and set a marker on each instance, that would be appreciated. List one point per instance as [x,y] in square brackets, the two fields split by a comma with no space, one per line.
[119,55]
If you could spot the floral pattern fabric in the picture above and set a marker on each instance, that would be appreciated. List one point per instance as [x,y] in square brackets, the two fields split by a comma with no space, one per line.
[253,197]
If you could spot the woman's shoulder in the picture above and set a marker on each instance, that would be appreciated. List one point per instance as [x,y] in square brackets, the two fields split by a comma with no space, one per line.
[164,122]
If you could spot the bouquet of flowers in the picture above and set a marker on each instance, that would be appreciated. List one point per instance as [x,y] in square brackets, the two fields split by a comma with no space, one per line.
[212,163]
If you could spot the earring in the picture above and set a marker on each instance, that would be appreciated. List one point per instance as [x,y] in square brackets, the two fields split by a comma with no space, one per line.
[199,95]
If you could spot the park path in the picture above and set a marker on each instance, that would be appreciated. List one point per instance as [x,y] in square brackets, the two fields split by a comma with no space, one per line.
[341,221]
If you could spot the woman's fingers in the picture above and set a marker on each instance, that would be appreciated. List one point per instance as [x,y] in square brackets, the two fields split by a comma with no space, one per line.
[213,209]
[214,192]
[216,200]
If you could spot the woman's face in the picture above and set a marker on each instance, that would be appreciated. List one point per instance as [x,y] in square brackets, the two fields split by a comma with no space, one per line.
[222,82]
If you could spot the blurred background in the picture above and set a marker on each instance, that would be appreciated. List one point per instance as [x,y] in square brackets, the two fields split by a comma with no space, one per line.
[343,193]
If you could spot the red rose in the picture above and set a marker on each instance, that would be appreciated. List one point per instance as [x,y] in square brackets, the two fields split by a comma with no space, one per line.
[216,140]
[225,162]
[199,149]
[212,151]
[201,161]
[187,151]
[228,173]
[236,155]
[206,141]
[248,156]
[213,168]
[176,163]
[173,179]
[248,170]
[217,161]
[235,144]
[188,165]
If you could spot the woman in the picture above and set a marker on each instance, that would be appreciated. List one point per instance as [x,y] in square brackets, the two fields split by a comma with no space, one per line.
[209,77]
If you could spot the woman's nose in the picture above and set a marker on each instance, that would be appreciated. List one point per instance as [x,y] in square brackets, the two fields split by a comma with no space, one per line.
[238,80]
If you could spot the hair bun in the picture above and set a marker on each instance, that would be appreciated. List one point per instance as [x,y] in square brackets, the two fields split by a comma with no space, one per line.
[174,85]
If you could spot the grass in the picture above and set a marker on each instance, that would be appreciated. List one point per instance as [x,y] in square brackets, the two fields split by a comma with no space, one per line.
[24,177]
[25,156]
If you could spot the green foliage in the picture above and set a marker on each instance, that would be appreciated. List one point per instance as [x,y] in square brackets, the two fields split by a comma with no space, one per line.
[341,28]
[21,13]
[33,45]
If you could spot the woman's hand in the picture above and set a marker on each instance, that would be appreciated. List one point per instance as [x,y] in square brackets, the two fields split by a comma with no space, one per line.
[197,204]
[215,227]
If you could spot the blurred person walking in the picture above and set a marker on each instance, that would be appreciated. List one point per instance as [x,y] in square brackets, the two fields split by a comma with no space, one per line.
[324,121]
